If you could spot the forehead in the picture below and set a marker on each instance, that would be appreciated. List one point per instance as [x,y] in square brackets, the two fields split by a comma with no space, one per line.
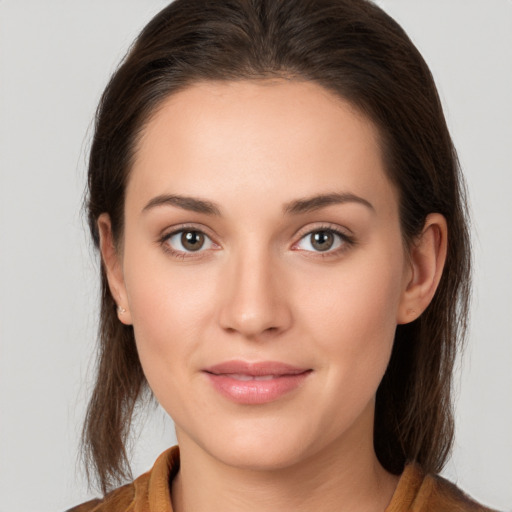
[244,138]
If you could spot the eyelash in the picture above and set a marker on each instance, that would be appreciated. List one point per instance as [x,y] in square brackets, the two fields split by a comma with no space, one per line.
[346,242]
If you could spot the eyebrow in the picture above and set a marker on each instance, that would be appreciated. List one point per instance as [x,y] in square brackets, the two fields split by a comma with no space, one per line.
[296,207]
[191,204]
[316,202]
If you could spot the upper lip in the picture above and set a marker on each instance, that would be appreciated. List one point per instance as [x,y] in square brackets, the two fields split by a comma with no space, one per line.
[255,369]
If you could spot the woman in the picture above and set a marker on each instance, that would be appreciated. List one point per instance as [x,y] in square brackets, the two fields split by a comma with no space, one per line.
[282,226]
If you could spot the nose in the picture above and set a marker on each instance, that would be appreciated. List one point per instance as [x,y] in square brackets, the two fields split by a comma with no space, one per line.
[254,302]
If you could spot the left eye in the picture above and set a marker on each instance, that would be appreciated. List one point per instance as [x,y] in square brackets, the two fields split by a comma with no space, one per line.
[189,241]
[321,240]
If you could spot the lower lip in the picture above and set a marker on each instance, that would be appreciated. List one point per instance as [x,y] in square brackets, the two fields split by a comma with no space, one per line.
[254,392]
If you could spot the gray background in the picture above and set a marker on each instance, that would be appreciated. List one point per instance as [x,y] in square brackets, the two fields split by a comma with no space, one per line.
[55,59]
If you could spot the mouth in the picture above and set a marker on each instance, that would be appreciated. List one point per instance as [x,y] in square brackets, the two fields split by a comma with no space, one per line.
[243,377]
[255,383]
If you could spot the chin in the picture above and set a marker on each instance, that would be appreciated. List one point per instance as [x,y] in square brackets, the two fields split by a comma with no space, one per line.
[258,450]
[260,457]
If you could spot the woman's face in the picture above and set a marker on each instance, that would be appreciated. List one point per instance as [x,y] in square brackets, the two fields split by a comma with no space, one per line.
[262,269]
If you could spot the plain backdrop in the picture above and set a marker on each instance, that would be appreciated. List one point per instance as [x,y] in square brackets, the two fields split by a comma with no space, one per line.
[55,59]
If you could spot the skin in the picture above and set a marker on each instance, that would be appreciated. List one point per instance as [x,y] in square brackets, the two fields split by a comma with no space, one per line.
[258,290]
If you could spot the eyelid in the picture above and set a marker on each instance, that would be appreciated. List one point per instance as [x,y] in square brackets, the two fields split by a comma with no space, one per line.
[187,226]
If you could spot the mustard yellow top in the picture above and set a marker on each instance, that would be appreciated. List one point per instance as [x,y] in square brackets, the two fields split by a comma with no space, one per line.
[151,492]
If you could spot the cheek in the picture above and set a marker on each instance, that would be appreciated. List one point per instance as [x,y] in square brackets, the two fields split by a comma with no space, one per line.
[169,310]
[352,315]
[353,327]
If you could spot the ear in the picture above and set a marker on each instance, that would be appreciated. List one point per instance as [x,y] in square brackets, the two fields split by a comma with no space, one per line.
[427,257]
[113,268]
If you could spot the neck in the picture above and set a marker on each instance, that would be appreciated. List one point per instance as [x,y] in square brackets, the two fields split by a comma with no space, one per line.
[344,476]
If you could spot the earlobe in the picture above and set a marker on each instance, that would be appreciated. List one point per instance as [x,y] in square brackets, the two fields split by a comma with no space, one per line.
[113,268]
[427,258]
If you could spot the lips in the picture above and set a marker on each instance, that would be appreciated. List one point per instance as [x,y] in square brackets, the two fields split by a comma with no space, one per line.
[255,369]
[255,383]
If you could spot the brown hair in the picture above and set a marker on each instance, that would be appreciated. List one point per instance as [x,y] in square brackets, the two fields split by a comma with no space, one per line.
[355,50]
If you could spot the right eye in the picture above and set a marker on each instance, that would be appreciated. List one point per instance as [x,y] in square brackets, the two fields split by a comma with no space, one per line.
[187,241]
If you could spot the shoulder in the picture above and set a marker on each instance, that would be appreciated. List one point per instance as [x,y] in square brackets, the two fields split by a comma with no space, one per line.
[440,494]
[121,499]
[420,492]
[151,487]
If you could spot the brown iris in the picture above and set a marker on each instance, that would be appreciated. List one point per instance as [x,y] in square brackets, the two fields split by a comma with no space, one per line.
[322,240]
[192,240]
